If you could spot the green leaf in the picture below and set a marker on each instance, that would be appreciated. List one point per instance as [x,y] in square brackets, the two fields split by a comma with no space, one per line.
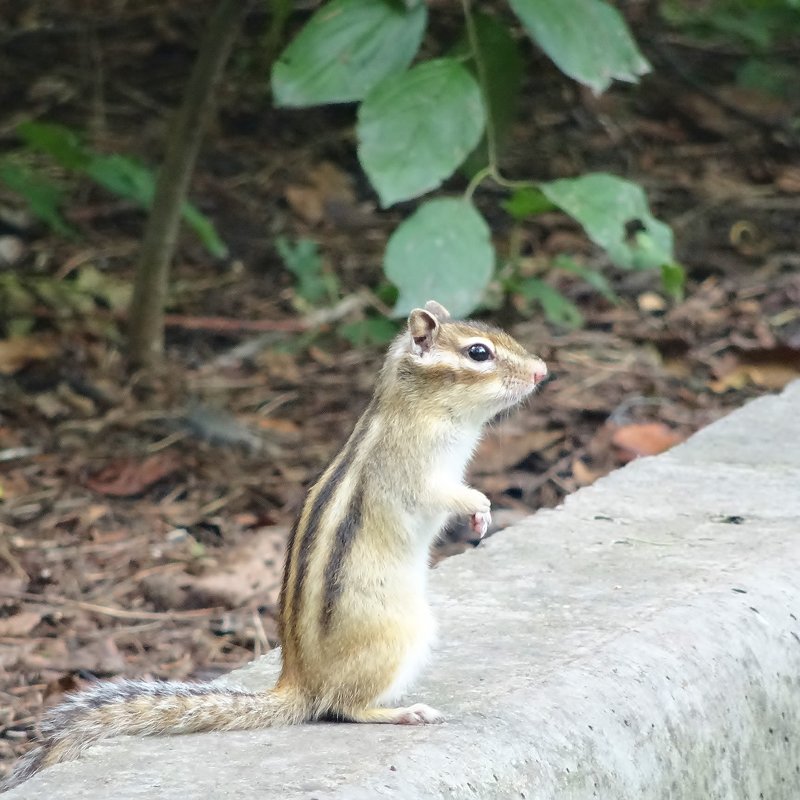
[593,277]
[44,198]
[59,142]
[673,278]
[121,175]
[126,177]
[205,230]
[365,332]
[442,252]
[557,308]
[18,304]
[771,76]
[113,291]
[527,202]
[414,129]
[605,206]
[346,48]
[303,261]
[759,25]
[502,66]
[587,39]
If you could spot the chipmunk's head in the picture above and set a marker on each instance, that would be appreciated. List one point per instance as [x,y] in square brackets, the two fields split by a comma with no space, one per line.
[463,364]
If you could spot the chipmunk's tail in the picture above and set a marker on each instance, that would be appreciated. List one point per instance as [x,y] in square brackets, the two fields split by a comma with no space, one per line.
[141,708]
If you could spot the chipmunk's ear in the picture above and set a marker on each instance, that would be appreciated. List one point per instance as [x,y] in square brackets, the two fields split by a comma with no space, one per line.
[423,327]
[438,310]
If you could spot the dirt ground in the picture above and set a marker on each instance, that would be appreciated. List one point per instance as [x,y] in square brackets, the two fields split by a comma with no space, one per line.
[143,517]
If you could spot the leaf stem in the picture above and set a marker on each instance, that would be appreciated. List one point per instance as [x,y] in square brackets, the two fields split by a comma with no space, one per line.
[477,179]
[491,170]
[483,82]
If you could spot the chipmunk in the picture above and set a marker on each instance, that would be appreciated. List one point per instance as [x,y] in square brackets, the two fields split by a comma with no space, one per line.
[354,620]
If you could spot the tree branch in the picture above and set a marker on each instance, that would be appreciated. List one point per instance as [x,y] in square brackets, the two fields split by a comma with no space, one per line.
[146,331]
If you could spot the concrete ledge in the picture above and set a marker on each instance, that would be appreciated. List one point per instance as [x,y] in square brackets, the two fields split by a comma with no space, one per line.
[640,642]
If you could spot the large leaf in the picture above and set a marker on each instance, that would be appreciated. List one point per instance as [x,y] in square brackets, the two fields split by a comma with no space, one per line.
[414,129]
[502,68]
[587,39]
[442,252]
[345,49]
[614,213]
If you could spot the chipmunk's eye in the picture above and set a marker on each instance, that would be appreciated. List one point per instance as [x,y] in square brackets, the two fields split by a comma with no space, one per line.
[479,352]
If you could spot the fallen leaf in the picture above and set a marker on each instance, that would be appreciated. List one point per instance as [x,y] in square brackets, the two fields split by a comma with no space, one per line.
[93,513]
[10,584]
[20,624]
[788,180]
[584,476]
[163,592]
[14,657]
[329,187]
[305,202]
[768,376]
[771,368]
[644,439]
[563,241]
[49,406]
[706,114]
[503,449]
[19,351]
[99,656]
[756,103]
[12,249]
[64,684]
[128,477]
[251,569]
[650,301]
[278,425]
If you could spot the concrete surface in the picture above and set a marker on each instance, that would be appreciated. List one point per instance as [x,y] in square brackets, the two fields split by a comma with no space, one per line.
[640,642]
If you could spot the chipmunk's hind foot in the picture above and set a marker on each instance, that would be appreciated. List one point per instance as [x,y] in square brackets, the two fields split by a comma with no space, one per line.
[418,714]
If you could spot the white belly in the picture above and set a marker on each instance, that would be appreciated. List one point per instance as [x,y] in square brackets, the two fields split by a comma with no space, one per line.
[414,660]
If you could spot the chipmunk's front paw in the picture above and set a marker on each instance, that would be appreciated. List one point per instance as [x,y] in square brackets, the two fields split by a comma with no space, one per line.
[477,502]
[479,522]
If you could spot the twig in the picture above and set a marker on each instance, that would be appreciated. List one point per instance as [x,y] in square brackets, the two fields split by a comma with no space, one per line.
[552,472]
[116,613]
[146,324]
[225,324]
[483,82]
[315,319]
[13,562]
[492,169]
[13,453]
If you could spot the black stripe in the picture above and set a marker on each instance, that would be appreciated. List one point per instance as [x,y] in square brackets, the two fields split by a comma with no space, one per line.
[322,499]
[345,534]
[287,568]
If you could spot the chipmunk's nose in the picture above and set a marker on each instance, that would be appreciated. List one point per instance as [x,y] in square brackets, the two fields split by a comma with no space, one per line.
[539,371]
